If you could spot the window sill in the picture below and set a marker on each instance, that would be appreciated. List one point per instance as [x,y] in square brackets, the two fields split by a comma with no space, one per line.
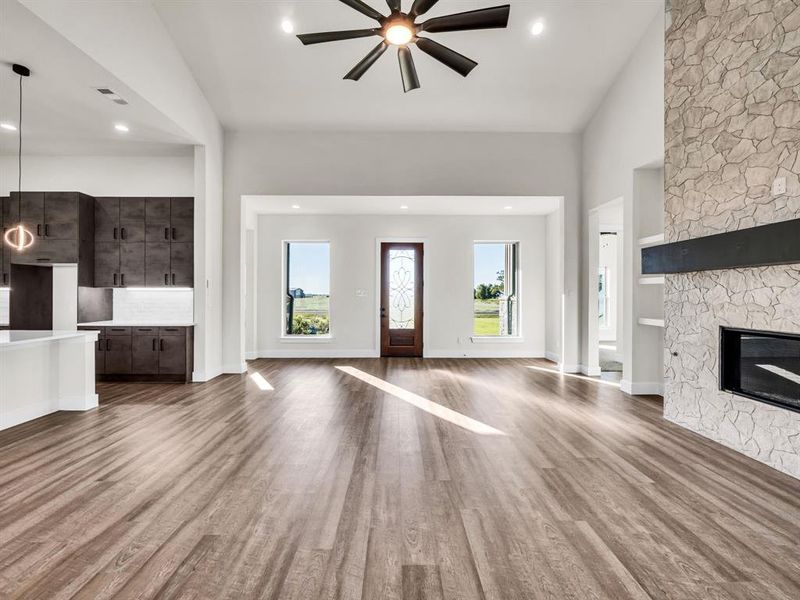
[294,339]
[497,339]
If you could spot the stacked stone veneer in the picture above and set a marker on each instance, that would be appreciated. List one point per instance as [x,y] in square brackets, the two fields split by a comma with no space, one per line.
[732,127]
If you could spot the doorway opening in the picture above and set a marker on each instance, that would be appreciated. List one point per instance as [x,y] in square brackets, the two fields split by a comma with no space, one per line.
[401,299]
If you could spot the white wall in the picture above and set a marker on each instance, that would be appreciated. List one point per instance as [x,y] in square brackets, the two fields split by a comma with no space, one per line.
[412,164]
[101,175]
[448,280]
[128,39]
[625,133]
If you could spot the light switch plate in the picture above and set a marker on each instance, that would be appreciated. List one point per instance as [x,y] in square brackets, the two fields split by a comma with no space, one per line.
[779,186]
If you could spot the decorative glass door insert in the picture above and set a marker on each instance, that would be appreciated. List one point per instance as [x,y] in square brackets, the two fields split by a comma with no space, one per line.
[401,289]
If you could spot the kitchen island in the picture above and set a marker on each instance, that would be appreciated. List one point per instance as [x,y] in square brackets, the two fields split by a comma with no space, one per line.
[45,371]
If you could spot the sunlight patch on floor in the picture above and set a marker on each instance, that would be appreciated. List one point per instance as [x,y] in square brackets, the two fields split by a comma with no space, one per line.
[262,383]
[574,376]
[430,407]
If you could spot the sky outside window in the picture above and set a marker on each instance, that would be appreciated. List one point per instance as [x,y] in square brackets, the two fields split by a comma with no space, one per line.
[309,267]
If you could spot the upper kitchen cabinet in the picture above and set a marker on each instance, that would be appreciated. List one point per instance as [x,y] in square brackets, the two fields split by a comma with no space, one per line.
[62,224]
[120,219]
[182,219]
[106,219]
[157,219]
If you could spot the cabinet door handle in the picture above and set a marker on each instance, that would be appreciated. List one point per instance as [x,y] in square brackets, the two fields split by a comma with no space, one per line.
[115,279]
[166,279]
[47,230]
[108,343]
[166,233]
[122,280]
[122,233]
[161,345]
[173,279]
[154,344]
[38,230]
[115,233]
[173,233]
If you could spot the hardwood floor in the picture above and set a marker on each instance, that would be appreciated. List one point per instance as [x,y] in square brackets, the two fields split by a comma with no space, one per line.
[467,479]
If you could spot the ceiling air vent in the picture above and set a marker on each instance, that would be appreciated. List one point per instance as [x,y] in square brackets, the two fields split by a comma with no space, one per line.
[112,95]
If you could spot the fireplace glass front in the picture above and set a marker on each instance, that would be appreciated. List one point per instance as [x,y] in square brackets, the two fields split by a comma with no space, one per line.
[761,365]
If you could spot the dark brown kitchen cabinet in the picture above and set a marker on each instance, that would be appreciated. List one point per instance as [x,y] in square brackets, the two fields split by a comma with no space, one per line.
[145,351]
[157,264]
[62,224]
[182,264]
[7,219]
[118,353]
[171,354]
[131,264]
[106,219]
[182,219]
[106,264]
[132,220]
[119,265]
[157,220]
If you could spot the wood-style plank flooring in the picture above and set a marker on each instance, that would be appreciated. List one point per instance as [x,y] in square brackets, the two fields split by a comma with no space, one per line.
[334,485]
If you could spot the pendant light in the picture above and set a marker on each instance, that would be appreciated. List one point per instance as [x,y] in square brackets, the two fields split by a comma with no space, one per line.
[19,238]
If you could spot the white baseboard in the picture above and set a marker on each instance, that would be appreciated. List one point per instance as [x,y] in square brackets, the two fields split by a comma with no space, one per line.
[505,353]
[585,370]
[642,388]
[235,368]
[556,358]
[566,368]
[251,355]
[78,403]
[317,353]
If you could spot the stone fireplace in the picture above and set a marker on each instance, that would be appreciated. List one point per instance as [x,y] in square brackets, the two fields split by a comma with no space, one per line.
[732,129]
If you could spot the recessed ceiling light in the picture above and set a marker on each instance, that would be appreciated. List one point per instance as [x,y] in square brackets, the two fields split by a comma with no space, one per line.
[507,207]
[295,206]
[8,126]
[121,127]
[537,28]
[403,207]
[287,26]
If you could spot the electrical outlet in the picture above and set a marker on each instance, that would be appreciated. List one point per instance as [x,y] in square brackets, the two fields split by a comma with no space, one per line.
[779,186]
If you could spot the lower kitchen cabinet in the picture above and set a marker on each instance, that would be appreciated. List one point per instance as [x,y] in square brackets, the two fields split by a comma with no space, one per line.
[144,353]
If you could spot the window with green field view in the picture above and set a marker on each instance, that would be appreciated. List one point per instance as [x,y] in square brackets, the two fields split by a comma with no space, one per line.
[495,289]
[307,293]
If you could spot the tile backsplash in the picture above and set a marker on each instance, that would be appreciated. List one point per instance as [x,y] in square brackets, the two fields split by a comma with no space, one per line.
[4,303]
[154,305]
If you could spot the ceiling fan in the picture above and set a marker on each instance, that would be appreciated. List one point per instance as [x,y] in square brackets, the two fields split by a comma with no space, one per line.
[401,29]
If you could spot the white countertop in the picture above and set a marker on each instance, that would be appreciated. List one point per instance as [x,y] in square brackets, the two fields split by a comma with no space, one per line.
[19,338]
[137,324]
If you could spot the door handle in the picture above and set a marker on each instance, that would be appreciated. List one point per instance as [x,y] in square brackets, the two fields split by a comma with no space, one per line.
[39,230]
[108,344]
[383,313]
[173,233]
[173,279]
[122,280]
[161,345]
[122,233]
[154,344]
[166,233]
[115,233]
[115,279]
[166,279]
[47,230]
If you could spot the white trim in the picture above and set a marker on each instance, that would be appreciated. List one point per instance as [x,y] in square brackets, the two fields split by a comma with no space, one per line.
[317,353]
[284,281]
[301,339]
[553,357]
[652,280]
[201,377]
[641,388]
[497,339]
[250,355]
[571,368]
[233,368]
[483,354]
[78,403]
[589,372]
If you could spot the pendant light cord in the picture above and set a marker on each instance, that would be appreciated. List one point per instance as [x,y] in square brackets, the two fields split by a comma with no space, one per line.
[19,154]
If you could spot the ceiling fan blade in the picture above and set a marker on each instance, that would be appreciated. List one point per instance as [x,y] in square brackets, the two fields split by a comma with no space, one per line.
[335,36]
[485,18]
[361,68]
[394,5]
[458,62]
[420,7]
[407,69]
[364,9]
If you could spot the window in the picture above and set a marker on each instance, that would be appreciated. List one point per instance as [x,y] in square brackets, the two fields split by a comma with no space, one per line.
[307,289]
[495,291]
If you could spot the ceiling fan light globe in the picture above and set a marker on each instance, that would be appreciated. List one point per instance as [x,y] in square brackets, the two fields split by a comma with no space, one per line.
[399,35]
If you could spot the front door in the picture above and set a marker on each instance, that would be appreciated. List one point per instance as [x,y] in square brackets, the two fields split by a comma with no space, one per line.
[401,299]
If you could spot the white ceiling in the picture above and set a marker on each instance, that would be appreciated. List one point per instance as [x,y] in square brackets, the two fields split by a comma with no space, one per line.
[63,113]
[256,76]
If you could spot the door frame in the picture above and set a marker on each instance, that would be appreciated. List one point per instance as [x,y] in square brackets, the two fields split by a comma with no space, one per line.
[377,305]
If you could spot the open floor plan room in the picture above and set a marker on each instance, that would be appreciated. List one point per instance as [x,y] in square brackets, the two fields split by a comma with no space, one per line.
[400,300]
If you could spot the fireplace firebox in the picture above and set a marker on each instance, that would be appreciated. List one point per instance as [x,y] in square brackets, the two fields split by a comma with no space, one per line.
[761,365]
